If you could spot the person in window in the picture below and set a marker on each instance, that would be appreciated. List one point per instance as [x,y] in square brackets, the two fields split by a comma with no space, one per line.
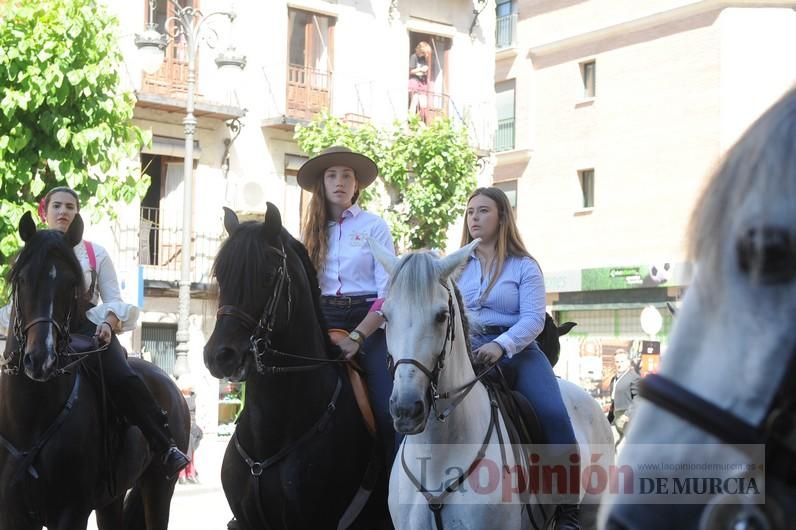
[104,319]
[352,281]
[503,290]
[419,71]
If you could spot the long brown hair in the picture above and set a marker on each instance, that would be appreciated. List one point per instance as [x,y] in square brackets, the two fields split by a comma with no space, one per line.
[509,241]
[314,227]
[314,231]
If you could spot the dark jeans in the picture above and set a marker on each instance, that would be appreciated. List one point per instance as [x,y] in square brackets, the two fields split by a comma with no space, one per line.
[374,362]
[537,382]
[114,360]
[128,391]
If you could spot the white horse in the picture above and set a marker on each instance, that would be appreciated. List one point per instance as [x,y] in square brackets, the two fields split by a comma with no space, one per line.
[724,387]
[432,370]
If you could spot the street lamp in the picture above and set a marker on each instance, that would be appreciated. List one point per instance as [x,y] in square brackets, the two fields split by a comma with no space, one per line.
[187,23]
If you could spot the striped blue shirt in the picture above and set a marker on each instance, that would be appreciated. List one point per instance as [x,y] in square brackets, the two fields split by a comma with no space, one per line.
[516,301]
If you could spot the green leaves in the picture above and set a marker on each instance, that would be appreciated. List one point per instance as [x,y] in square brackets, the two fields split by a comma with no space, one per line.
[426,173]
[63,116]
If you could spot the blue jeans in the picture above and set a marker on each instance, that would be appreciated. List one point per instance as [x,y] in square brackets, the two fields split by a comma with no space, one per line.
[374,362]
[537,382]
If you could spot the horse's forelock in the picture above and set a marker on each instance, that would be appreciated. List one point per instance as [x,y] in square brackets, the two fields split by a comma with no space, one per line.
[410,283]
[244,257]
[38,253]
[759,175]
[412,276]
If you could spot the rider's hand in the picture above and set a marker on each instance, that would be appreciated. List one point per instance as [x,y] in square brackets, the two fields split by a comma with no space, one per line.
[489,353]
[104,333]
[349,347]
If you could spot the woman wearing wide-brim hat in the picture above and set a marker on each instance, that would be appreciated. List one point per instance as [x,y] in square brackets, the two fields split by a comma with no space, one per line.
[352,282]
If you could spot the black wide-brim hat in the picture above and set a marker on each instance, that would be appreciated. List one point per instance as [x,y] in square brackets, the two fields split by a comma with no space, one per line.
[364,168]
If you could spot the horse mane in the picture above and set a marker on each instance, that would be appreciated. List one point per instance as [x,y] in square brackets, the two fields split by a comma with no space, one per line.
[418,269]
[312,276]
[37,254]
[245,256]
[761,165]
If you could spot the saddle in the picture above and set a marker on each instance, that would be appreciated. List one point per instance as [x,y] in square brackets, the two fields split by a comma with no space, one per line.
[358,384]
[522,422]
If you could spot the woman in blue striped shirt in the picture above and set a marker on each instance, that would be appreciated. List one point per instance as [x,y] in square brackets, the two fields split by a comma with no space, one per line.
[503,290]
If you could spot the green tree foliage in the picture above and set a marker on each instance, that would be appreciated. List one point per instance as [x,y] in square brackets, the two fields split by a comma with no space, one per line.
[425,172]
[64,119]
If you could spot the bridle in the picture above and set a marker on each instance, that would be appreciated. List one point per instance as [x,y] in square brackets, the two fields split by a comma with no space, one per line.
[457,394]
[777,430]
[262,328]
[11,365]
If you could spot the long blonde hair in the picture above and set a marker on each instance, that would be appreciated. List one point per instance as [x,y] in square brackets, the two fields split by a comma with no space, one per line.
[314,232]
[509,241]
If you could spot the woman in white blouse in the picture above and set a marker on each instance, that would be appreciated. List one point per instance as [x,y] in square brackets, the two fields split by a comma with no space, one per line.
[352,282]
[109,314]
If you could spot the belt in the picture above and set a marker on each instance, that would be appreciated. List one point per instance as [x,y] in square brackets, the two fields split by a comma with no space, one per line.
[493,330]
[348,301]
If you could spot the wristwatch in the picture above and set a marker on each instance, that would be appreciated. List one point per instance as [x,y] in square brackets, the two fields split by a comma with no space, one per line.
[357,337]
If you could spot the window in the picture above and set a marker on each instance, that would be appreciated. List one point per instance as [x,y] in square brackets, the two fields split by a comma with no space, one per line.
[588,75]
[309,76]
[586,178]
[506,24]
[509,187]
[504,98]
[160,341]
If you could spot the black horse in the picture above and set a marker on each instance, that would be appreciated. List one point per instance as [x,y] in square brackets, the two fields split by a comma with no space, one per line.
[300,448]
[59,458]
[548,339]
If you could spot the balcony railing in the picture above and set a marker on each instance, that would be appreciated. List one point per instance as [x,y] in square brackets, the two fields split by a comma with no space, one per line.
[172,77]
[504,139]
[158,248]
[309,91]
[506,31]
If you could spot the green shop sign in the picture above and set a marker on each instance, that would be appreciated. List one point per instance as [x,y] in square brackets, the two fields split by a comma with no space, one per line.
[620,277]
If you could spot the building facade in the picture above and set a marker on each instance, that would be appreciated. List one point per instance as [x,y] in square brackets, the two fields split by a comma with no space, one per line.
[304,57]
[611,116]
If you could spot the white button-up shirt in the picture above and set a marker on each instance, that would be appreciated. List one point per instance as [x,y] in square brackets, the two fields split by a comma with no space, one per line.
[351,269]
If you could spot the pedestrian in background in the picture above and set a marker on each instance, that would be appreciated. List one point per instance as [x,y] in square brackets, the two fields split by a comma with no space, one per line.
[624,389]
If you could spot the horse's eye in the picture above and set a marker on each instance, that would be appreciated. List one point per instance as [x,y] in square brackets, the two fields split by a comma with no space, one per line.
[441,317]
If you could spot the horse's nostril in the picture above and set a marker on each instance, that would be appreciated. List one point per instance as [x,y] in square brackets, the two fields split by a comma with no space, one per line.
[27,362]
[417,409]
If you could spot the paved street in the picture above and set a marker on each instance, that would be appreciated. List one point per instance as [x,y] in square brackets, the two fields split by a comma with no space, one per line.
[200,506]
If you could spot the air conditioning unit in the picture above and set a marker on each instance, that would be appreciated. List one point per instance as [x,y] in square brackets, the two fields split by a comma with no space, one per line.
[251,196]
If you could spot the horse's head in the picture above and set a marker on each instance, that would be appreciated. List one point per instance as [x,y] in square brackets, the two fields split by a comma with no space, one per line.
[254,293]
[422,315]
[725,378]
[47,281]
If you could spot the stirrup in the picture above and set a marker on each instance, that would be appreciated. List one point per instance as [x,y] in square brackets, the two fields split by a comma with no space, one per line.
[173,461]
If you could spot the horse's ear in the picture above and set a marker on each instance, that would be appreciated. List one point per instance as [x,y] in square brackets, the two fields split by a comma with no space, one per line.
[451,262]
[231,222]
[565,328]
[27,228]
[75,233]
[382,255]
[273,222]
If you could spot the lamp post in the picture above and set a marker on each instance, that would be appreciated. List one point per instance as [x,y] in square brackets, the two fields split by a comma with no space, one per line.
[190,24]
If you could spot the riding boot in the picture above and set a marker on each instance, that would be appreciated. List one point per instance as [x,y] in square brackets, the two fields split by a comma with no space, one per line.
[138,405]
[567,517]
